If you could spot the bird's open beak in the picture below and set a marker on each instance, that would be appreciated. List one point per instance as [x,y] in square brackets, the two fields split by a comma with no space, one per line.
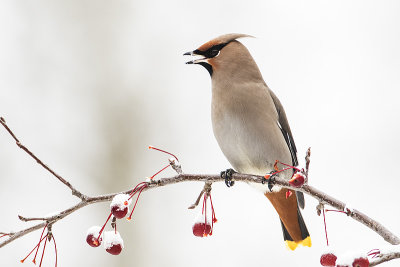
[196,60]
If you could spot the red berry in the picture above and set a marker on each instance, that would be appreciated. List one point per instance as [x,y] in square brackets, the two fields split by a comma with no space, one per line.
[92,235]
[201,229]
[328,259]
[297,180]
[119,205]
[119,212]
[288,194]
[93,241]
[361,262]
[114,249]
[113,242]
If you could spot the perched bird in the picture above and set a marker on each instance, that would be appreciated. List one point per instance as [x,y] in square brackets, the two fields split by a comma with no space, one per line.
[250,125]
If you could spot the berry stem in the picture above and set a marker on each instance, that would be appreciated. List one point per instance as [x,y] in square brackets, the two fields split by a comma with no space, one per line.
[22,261]
[44,248]
[326,232]
[204,200]
[213,211]
[140,191]
[285,169]
[205,214]
[134,191]
[55,248]
[291,167]
[102,228]
[152,147]
[159,171]
[213,219]
[4,235]
[374,253]
[40,240]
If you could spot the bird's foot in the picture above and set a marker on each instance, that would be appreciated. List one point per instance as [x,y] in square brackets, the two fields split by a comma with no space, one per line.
[227,175]
[271,182]
[269,179]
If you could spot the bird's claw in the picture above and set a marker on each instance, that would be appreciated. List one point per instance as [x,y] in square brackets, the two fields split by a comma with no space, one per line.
[271,182]
[270,179]
[227,175]
[264,180]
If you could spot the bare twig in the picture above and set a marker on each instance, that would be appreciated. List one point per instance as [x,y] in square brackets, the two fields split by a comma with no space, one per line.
[308,154]
[206,188]
[75,192]
[384,258]
[175,165]
[196,203]
[323,198]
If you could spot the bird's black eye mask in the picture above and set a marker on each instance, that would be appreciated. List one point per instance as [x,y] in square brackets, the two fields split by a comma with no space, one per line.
[211,52]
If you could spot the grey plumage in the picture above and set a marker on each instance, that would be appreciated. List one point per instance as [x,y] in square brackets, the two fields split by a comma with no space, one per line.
[249,121]
[250,124]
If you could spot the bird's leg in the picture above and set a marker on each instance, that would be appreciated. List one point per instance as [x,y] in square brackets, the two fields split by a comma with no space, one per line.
[270,179]
[271,182]
[227,175]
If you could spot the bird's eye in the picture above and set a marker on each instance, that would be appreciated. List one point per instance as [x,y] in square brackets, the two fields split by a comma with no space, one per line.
[213,53]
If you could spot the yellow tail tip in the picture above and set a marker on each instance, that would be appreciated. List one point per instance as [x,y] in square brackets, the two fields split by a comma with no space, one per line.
[292,245]
[306,242]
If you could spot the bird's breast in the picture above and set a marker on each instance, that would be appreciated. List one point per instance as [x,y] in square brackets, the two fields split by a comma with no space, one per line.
[246,129]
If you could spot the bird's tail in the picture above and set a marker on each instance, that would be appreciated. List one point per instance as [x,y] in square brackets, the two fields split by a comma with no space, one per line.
[294,229]
[305,236]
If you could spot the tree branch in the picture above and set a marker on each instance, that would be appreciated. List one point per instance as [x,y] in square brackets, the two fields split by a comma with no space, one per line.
[384,258]
[322,197]
[319,195]
[75,192]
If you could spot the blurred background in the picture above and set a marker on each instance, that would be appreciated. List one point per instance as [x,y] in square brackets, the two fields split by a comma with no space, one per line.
[88,85]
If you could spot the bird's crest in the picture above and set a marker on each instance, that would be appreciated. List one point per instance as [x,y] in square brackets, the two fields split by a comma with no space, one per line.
[223,39]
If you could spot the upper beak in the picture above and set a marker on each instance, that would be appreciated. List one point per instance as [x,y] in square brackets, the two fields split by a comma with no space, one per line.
[194,61]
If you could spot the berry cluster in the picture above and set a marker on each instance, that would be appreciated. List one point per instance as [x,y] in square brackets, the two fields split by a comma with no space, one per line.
[329,259]
[119,208]
[204,225]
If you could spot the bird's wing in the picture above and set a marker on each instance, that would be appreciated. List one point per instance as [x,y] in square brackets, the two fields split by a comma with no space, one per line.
[285,128]
[287,134]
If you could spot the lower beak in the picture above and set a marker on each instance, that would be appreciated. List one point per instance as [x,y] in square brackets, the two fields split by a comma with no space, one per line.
[194,61]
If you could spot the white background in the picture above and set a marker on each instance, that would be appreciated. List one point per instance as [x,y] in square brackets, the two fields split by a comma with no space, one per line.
[88,85]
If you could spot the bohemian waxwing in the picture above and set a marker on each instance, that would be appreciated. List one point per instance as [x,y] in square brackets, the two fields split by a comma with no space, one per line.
[250,125]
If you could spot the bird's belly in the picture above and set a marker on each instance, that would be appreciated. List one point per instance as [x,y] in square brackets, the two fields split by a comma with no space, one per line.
[251,147]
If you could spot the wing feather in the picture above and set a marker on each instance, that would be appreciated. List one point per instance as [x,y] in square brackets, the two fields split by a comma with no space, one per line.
[287,134]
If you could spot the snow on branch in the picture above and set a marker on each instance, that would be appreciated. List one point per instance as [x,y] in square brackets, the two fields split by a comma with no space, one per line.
[384,257]
[323,198]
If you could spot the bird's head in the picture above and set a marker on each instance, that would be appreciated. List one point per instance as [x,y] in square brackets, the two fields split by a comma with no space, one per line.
[216,52]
